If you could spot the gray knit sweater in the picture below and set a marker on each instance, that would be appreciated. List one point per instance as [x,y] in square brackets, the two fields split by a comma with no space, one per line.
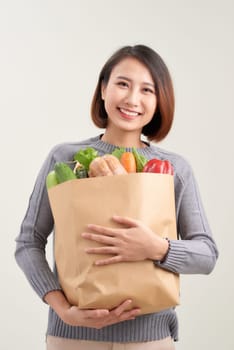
[194,253]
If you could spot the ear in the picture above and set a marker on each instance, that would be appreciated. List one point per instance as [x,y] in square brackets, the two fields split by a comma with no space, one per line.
[103,90]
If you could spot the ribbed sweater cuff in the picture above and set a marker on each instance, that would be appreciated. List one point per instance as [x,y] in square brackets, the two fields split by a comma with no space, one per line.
[175,257]
[43,282]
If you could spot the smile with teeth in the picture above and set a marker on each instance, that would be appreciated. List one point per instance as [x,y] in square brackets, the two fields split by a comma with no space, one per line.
[130,113]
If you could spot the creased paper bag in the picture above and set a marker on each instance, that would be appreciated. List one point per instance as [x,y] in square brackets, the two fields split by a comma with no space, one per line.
[145,196]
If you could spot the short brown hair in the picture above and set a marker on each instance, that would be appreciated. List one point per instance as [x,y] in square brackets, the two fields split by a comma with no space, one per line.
[161,123]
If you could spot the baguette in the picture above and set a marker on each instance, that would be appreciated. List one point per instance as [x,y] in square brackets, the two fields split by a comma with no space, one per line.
[106,165]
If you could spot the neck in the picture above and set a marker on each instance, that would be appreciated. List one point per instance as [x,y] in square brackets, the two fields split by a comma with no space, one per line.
[123,140]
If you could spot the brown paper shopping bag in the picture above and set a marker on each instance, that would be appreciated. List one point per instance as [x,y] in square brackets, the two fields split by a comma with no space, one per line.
[76,203]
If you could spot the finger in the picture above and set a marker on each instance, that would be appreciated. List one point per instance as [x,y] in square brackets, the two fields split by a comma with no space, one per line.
[113,260]
[93,314]
[103,230]
[126,221]
[121,308]
[108,240]
[102,250]
[129,315]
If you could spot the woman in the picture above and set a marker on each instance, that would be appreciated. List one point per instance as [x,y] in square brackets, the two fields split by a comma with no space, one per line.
[134,97]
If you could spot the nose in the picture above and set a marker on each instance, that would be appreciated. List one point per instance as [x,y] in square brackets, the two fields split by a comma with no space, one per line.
[132,98]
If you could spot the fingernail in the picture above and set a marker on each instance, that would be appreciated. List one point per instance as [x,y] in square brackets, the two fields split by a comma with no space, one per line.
[115,216]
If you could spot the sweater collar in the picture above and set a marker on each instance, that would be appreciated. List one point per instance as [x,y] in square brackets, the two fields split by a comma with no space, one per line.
[109,148]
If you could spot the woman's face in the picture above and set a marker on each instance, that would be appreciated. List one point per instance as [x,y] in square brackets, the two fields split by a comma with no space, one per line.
[129,97]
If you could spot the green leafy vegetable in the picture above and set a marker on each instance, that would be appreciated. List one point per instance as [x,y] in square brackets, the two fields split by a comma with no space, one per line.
[118,152]
[85,156]
[140,160]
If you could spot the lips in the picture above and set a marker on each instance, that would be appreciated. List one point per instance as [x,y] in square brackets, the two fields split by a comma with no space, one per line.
[128,113]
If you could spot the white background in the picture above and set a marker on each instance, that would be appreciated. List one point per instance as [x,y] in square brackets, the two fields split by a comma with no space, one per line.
[51,52]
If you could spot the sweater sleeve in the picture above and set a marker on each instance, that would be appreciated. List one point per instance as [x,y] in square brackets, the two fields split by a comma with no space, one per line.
[195,252]
[37,225]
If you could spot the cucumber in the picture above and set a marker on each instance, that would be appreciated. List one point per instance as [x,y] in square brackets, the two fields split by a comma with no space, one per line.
[51,179]
[63,172]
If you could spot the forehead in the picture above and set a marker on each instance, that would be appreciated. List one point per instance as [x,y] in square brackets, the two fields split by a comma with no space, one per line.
[132,69]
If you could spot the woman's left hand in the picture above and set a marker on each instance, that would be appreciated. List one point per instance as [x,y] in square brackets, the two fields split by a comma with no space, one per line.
[134,242]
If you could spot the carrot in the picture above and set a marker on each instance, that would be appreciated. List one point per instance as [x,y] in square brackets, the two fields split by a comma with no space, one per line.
[128,161]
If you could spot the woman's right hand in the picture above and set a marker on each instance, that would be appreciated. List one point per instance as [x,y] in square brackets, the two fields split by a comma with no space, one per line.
[100,317]
[97,318]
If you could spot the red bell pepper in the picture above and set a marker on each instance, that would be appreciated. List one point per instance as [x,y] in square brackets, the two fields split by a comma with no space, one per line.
[158,166]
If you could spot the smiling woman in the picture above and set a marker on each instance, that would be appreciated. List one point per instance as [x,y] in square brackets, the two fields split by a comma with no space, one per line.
[134,97]
[129,102]
[138,69]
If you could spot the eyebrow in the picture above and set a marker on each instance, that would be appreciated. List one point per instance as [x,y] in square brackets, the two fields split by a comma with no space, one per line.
[126,78]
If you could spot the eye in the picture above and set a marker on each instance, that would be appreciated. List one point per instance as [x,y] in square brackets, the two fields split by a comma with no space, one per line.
[122,83]
[148,90]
